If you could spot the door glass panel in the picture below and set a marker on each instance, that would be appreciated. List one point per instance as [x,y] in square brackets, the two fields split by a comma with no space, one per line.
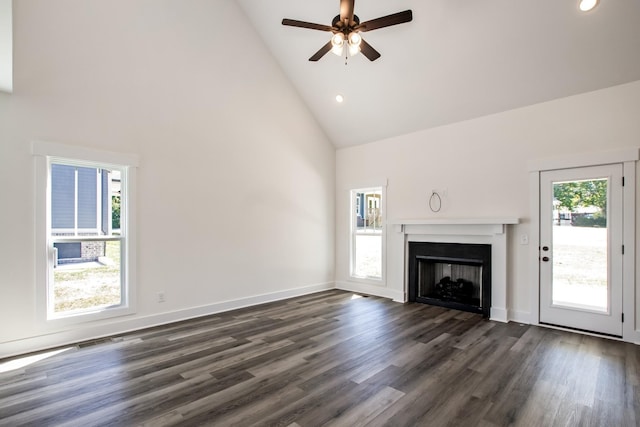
[579,252]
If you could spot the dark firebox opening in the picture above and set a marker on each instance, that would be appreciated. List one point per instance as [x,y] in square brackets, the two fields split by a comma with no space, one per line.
[450,280]
[451,275]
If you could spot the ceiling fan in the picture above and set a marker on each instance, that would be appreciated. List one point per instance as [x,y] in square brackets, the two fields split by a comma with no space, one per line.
[346,28]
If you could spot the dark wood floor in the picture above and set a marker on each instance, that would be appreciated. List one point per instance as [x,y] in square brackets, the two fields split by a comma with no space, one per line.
[328,359]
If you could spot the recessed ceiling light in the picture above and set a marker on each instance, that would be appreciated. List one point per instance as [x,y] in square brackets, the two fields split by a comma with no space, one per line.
[587,5]
[339,99]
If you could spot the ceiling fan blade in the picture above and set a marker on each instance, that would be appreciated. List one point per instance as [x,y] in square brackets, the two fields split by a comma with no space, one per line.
[322,52]
[302,24]
[368,51]
[386,21]
[346,10]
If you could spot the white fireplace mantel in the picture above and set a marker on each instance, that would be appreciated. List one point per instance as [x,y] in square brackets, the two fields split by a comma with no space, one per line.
[455,221]
[455,226]
[492,231]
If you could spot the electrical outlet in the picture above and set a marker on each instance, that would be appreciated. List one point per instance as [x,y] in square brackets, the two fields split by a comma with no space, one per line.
[160,296]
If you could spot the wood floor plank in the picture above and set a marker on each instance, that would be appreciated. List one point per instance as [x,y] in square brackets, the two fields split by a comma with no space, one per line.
[368,410]
[332,359]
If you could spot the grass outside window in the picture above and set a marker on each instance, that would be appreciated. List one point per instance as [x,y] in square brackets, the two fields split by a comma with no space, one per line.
[89,285]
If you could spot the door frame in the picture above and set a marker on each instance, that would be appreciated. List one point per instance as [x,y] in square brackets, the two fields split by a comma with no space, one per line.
[630,297]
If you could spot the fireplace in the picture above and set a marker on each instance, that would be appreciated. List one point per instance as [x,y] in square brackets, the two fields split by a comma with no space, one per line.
[453,275]
[492,232]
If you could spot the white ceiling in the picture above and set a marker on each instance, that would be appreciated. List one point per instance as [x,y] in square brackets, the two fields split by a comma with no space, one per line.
[457,59]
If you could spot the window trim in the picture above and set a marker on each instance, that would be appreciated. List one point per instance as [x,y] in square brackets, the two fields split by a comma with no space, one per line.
[45,154]
[352,234]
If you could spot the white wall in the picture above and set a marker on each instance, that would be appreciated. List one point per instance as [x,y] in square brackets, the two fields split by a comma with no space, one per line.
[236,184]
[482,164]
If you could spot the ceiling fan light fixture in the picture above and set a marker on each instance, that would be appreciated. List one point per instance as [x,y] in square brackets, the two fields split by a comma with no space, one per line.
[354,39]
[587,5]
[337,43]
[337,40]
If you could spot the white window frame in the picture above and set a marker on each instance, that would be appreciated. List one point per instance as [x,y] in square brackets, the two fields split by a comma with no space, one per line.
[45,154]
[353,217]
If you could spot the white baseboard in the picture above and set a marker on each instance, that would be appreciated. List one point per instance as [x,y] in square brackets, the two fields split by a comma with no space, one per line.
[519,316]
[128,324]
[364,288]
[498,314]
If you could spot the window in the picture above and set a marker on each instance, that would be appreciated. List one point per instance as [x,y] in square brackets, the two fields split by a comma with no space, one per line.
[84,234]
[367,237]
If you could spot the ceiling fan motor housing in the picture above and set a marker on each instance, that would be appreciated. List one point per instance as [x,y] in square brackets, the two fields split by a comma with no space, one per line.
[345,29]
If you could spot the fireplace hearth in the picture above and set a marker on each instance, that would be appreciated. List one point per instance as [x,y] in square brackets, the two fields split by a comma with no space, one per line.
[453,275]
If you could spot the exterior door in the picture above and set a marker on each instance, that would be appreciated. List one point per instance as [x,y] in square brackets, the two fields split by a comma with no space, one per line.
[581,248]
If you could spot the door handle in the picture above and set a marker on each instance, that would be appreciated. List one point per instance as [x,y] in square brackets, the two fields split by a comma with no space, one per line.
[545,248]
[545,258]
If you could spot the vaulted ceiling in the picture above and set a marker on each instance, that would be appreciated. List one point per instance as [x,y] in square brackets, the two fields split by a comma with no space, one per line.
[457,59]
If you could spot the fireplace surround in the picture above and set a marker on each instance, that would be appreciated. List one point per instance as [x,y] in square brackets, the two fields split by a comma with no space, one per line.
[490,231]
[453,275]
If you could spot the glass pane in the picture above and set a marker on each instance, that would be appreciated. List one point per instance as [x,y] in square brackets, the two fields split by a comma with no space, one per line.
[115,192]
[579,253]
[63,202]
[368,255]
[87,198]
[369,211]
[87,276]
[367,249]
[86,207]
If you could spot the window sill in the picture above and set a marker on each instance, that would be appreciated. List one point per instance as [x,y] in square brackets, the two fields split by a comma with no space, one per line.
[368,281]
[87,317]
